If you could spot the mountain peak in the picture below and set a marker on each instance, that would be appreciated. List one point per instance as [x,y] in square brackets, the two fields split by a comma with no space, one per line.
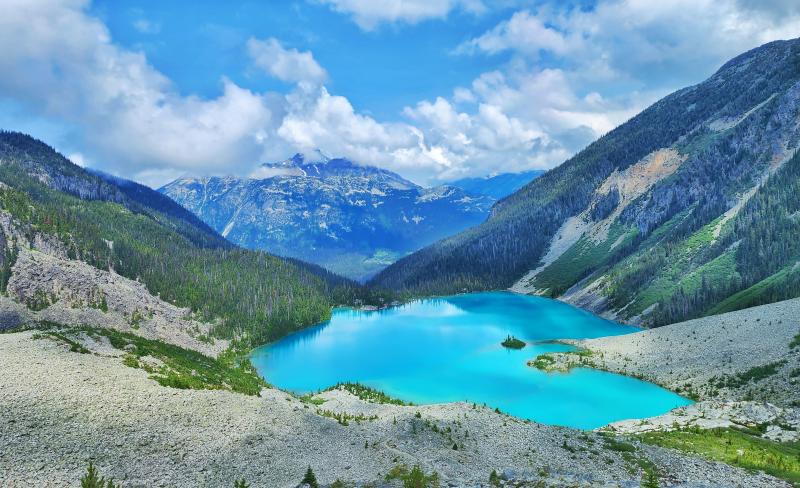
[314,157]
[318,165]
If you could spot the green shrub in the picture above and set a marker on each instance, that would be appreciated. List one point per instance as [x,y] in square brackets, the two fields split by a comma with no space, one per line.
[415,478]
[92,479]
[650,480]
[310,479]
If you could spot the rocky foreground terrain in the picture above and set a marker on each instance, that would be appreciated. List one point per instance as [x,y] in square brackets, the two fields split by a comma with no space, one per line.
[59,409]
[743,366]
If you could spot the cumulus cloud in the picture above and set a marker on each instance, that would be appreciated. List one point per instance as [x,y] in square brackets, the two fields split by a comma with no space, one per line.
[569,75]
[368,14]
[316,119]
[288,65]
[635,38]
[65,66]
[575,73]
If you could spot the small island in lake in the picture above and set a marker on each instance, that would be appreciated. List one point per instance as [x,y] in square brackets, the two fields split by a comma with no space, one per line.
[512,342]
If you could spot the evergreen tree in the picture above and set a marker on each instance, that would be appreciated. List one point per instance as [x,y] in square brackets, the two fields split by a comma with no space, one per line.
[310,479]
[92,479]
[650,479]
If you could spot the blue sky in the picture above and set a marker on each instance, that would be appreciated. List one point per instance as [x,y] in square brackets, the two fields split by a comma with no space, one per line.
[433,89]
[381,71]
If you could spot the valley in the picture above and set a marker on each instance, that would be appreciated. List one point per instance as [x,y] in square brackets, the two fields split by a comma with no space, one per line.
[628,318]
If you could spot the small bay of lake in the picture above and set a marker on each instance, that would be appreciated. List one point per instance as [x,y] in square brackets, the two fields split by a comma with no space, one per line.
[448,349]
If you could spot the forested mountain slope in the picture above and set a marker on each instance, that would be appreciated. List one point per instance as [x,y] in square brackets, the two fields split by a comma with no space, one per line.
[58,208]
[353,219]
[689,208]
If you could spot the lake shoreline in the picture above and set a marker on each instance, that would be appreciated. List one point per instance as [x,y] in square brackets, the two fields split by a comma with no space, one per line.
[92,406]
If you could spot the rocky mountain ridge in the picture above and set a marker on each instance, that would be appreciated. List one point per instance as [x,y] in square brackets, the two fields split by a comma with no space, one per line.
[687,209]
[352,219]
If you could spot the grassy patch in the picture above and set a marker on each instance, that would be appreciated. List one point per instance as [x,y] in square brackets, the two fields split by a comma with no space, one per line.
[755,295]
[413,478]
[74,346]
[754,374]
[580,260]
[178,367]
[795,342]
[543,362]
[736,448]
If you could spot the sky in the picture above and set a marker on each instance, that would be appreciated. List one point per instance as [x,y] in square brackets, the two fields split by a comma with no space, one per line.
[432,89]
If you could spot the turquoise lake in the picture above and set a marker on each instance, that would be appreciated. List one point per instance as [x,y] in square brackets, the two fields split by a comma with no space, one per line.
[448,349]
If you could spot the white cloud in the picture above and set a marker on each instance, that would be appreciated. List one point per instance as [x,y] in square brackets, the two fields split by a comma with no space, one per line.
[368,14]
[146,27]
[637,38]
[523,32]
[285,64]
[66,67]
[316,119]
[77,158]
[575,74]
[571,76]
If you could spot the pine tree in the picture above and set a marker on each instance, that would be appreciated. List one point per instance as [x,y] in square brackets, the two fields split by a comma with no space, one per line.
[494,479]
[92,479]
[240,484]
[309,479]
[650,479]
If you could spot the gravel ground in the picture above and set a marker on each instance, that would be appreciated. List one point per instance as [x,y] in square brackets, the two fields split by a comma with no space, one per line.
[58,409]
[705,356]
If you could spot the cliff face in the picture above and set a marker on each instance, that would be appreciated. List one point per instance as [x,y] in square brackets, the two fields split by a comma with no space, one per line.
[45,285]
[684,210]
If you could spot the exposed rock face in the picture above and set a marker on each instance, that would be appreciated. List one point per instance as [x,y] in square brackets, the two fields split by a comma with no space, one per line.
[783,424]
[350,218]
[45,285]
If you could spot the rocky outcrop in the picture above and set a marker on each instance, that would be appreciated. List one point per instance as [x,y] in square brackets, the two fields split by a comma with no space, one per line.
[46,285]
[74,293]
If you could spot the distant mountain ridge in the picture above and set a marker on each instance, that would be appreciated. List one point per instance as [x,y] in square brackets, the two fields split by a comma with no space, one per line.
[689,208]
[497,186]
[351,218]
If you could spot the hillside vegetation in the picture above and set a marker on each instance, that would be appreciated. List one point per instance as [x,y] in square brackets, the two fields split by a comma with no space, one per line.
[144,236]
[689,208]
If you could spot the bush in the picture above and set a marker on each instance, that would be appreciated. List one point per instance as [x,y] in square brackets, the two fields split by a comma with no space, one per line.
[416,478]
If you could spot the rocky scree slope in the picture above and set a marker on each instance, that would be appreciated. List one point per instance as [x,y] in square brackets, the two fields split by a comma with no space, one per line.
[687,209]
[92,406]
[349,218]
[72,239]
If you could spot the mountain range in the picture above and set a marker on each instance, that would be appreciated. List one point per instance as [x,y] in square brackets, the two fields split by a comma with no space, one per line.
[499,185]
[690,208]
[352,219]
